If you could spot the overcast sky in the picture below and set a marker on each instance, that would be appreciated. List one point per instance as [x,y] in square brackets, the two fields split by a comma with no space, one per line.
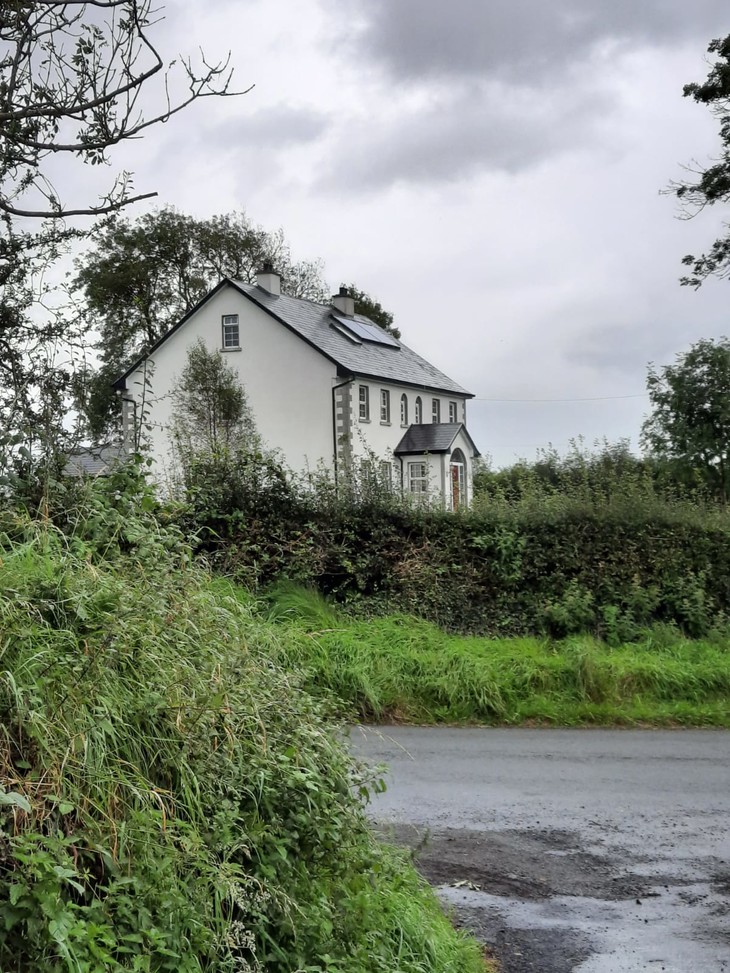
[491,172]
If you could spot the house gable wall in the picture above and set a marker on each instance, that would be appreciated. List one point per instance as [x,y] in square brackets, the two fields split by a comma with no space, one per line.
[289,385]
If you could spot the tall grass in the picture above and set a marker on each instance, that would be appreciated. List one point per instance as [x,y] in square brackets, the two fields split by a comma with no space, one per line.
[400,668]
[170,798]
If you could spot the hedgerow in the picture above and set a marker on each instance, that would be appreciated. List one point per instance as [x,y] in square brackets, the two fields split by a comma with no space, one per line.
[556,564]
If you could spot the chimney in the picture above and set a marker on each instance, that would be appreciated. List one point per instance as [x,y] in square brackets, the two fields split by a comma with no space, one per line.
[268,279]
[343,303]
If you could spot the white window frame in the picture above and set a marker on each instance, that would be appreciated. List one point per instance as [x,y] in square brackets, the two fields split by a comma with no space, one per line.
[418,478]
[230,333]
[386,474]
[453,411]
[435,410]
[404,410]
[364,400]
[384,407]
[418,413]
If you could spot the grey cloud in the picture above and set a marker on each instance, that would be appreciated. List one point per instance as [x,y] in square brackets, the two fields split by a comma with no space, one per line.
[522,41]
[277,127]
[628,348]
[465,132]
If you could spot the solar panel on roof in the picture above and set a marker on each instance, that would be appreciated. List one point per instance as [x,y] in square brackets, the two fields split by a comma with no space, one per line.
[367,332]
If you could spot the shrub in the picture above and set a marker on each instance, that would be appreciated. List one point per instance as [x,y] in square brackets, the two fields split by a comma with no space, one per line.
[171,799]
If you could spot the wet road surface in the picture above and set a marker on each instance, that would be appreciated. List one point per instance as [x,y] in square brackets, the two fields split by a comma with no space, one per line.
[569,851]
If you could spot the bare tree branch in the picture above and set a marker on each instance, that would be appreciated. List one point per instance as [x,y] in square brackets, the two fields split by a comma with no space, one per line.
[80,68]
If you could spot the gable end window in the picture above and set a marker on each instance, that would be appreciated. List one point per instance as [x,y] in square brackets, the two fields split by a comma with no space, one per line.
[404,410]
[364,403]
[453,412]
[385,406]
[436,410]
[418,417]
[231,336]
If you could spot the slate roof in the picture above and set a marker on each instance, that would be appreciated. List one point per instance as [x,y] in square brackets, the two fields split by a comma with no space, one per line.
[432,437]
[94,460]
[315,324]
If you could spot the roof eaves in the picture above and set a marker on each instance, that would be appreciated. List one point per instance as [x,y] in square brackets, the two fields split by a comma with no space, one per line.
[412,385]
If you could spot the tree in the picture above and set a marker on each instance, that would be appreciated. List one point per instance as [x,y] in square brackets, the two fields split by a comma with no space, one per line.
[367,305]
[142,276]
[211,411]
[711,185]
[690,421]
[71,79]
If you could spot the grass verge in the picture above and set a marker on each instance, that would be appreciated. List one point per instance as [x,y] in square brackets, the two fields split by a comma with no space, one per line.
[401,668]
[170,798]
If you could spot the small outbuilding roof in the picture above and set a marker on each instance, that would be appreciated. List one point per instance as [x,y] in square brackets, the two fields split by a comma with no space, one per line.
[94,460]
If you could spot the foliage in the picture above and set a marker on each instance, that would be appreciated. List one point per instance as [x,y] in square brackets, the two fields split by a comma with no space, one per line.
[401,668]
[211,414]
[170,798]
[72,76]
[690,421]
[140,277]
[711,185]
[608,473]
[614,559]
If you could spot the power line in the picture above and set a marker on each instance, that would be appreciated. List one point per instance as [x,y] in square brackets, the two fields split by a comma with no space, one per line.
[595,398]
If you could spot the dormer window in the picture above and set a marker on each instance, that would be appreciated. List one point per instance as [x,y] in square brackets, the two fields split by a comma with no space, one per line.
[231,337]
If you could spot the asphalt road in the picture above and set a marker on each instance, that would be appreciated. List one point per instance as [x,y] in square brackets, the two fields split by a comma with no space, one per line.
[569,851]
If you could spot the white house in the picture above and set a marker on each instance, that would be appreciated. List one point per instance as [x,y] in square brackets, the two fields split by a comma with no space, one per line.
[325,386]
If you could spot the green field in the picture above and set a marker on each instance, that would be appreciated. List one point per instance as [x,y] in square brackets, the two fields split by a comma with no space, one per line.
[398,668]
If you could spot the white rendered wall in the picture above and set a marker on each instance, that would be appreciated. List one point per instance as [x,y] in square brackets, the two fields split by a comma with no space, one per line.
[288,383]
[381,438]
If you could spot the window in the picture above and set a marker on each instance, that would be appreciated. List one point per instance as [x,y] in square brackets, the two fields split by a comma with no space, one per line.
[436,410]
[386,474]
[231,339]
[418,477]
[385,406]
[418,417]
[364,403]
[404,410]
[453,412]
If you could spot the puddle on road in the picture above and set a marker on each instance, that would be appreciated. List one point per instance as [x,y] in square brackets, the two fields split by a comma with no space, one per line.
[595,936]
[546,905]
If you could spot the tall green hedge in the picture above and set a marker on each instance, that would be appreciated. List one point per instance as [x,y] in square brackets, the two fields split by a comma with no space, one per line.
[609,568]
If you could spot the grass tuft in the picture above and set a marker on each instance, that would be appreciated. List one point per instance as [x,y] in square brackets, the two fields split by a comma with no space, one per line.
[405,669]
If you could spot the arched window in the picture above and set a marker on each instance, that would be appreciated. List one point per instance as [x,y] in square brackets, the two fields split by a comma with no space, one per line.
[418,416]
[404,410]
[457,469]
